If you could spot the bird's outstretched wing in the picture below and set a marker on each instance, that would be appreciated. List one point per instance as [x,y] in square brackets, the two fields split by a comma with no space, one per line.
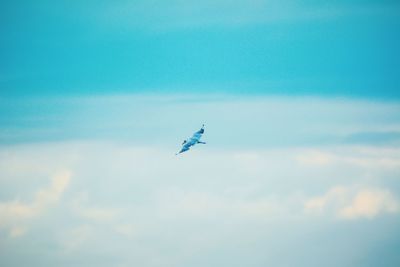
[197,135]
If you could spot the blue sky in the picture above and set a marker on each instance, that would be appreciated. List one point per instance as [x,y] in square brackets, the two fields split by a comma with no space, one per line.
[291,47]
[300,101]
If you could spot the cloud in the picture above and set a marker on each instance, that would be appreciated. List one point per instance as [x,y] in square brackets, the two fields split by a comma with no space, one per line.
[14,215]
[350,203]
[320,204]
[126,229]
[367,157]
[316,157]
[370,203]
[257,186]
[17,231]
[145,201]
[96,214]
[74,238]
[183,204]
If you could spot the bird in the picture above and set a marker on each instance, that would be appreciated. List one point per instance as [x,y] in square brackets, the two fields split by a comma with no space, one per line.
[194,140]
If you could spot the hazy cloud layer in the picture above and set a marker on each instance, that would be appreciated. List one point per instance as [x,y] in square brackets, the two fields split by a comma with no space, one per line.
[164,120]
[275,173]
[148,200]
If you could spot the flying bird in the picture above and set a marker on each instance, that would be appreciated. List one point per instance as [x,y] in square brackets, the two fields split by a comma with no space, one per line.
[194,140]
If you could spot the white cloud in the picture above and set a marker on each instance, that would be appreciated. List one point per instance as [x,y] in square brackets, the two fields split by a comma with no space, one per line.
[316,157]
[369,203]
[335,196]
[353,203]
[15,214]
[17,231]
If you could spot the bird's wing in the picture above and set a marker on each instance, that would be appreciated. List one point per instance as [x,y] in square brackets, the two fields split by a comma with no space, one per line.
[197,135]
[184,148]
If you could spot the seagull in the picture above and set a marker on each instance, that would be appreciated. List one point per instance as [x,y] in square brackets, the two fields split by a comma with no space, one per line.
[194,140]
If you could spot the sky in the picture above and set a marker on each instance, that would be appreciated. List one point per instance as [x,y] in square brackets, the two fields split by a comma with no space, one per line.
[301,106]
